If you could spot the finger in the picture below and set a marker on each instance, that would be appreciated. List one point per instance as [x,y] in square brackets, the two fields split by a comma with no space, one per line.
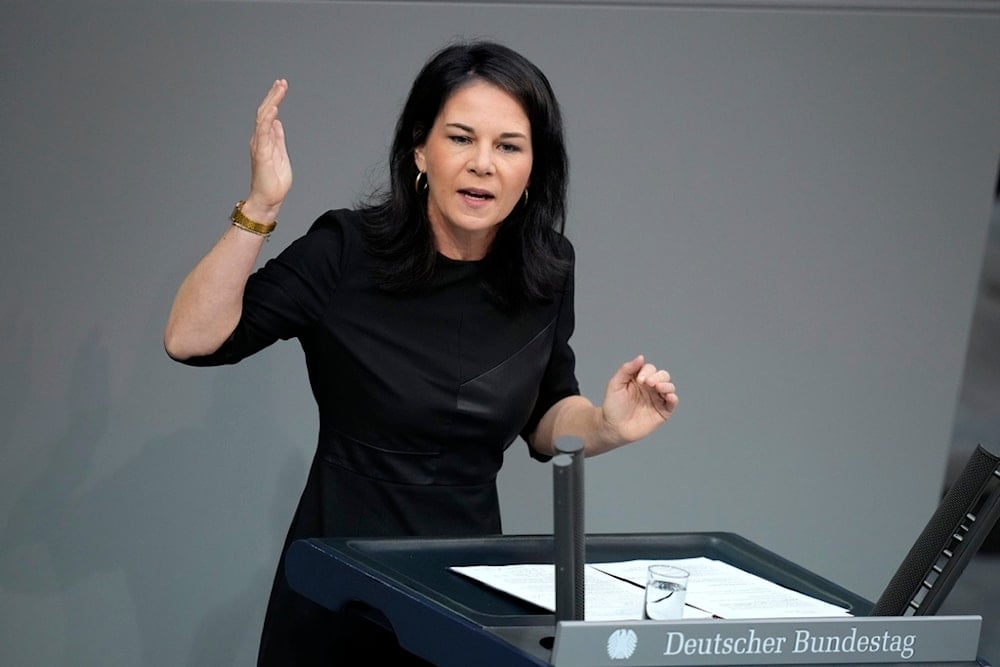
[262,128]
[662,383]
[279,131]
[628,371]
[266,117]
[273,98]
[635,364]
[664,388]
[268,131]
[659,377]
[650,375]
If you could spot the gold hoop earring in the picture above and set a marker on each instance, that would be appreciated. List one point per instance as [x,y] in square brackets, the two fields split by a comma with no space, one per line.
[525,196]
[416,183]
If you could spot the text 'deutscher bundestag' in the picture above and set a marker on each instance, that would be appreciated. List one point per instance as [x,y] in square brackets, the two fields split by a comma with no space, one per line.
[912,640]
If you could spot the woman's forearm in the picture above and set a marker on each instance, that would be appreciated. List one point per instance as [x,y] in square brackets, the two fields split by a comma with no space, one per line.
[574,416]
[210,300]
[639,398]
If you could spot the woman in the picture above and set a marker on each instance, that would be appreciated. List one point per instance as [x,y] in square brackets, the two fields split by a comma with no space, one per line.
[435,321]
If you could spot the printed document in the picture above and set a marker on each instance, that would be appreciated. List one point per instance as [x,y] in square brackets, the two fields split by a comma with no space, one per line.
[615,591]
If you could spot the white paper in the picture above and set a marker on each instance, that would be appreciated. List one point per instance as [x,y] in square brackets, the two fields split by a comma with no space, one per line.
[615,591]
[605,597]
[729,592]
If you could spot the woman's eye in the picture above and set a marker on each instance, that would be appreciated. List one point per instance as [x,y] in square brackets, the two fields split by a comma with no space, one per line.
[509,148]
[460,139]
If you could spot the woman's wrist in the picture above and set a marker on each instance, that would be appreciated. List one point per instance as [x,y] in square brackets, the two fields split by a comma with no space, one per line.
[259,211]
[587,421]
[606,435]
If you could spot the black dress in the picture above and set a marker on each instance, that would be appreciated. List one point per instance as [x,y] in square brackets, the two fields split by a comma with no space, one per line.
[419,395]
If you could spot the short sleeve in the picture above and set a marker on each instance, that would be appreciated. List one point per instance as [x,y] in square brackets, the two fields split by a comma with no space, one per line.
[559,380]
[289,294]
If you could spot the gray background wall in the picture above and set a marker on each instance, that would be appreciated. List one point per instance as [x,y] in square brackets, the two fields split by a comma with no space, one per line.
[785,206]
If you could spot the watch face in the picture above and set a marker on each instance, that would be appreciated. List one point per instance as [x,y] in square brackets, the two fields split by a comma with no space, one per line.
[237,214]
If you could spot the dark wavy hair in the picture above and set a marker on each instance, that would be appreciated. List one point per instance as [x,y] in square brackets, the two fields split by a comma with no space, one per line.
[525,262]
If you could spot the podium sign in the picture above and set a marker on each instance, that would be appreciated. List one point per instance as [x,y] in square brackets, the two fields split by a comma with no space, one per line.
[881,639]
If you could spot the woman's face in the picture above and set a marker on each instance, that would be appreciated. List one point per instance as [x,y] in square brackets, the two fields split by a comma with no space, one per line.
[477,157]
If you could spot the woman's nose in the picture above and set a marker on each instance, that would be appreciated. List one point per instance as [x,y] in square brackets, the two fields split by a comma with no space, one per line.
[482,161]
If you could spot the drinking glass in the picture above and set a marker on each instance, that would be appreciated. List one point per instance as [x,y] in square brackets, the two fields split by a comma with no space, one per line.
[666,586]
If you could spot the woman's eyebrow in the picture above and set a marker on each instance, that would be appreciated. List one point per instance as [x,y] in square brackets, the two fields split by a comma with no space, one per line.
[503,135]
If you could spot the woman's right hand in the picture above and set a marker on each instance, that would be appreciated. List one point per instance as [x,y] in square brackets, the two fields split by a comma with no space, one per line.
[270,168]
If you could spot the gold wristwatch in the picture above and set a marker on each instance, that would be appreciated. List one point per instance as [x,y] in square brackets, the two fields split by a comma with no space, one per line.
[243,222]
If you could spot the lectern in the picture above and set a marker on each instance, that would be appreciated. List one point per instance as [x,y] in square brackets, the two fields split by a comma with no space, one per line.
[408,585]
[452,621]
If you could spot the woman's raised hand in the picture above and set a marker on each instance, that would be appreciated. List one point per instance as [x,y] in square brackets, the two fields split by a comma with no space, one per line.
[638,399]
[270,168]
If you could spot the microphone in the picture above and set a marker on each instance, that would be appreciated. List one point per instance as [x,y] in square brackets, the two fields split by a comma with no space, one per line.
[569,533]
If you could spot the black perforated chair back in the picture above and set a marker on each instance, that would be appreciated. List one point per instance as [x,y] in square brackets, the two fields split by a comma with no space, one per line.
[954,533]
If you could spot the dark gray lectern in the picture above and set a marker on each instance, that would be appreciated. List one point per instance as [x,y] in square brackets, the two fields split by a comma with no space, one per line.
[451,620]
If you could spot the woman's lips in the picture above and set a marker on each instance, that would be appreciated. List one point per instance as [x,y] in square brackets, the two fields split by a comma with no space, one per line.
[476,198]
[476,194]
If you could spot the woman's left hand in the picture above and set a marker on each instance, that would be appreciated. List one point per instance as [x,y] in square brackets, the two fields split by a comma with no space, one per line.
[638,398]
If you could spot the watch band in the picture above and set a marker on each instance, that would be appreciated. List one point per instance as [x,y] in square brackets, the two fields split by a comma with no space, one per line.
[243,222]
